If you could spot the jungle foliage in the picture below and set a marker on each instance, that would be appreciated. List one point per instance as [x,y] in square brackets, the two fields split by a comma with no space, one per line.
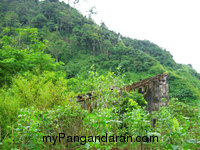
[49,53]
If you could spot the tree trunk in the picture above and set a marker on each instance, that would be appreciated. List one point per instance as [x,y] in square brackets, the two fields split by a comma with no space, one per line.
[60,26]
[107,53]
[19,41]
[94,48]
[100,46]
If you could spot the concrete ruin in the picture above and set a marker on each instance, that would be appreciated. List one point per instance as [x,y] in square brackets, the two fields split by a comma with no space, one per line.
[155,91]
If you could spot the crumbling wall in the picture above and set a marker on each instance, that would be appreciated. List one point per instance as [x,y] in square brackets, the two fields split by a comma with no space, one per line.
[155,90]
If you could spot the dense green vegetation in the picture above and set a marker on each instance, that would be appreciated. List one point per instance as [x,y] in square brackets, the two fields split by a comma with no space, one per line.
[49,53]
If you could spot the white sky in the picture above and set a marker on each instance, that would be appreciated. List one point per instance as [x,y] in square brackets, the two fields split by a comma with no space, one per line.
[171,24]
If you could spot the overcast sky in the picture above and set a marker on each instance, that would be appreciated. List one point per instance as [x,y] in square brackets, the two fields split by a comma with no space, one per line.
[171,24]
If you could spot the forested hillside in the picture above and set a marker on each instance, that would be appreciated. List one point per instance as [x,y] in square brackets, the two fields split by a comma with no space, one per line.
[50,52]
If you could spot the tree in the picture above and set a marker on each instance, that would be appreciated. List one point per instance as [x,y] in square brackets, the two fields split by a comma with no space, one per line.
[95,38]
[90,36]
[39,21]
[64,22]
[18,56]
[11,19]
[56,49]
[75,2]
[106,47]
[91,12]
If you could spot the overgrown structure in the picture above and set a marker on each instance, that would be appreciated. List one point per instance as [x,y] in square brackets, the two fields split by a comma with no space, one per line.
[155,90]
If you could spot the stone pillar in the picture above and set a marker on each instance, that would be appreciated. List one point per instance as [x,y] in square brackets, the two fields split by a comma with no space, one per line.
[157,93]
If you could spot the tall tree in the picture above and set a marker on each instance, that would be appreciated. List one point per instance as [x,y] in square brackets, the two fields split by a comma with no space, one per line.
[92,11]
[11,19]
[75,2]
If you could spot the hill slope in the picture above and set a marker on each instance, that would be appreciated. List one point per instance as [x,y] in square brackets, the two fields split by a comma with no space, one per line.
[80,43]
